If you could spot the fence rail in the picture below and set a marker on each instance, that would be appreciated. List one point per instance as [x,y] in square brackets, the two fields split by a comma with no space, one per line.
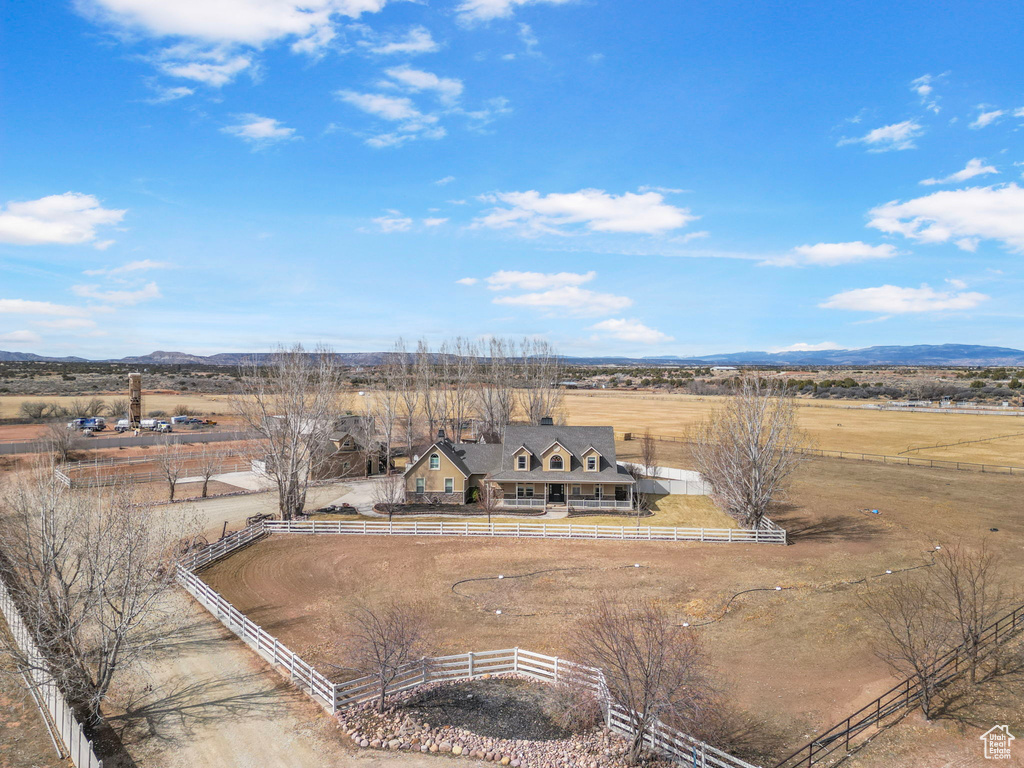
[529,530]
[898,700]
[140,477]
[679,747]
[60,717]
[909,461]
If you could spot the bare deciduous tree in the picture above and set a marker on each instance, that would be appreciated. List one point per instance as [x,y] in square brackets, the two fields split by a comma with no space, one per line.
[388,492]
[971,591]
[89,571]
[171,463]
[495,395]
[914,633]
[383,639]
[653,667]
[290,403]
[208,464]
[61,442]
[408,391]
[540,372]
[490,498]
[34,409]
[749,448]
[118,408]
[462,373]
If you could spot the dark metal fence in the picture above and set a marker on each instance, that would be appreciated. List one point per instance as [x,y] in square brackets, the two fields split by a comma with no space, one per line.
[899,700]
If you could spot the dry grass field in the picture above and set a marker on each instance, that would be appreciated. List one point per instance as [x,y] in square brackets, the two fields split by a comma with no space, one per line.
[207,405]
[831,425]
[797,659]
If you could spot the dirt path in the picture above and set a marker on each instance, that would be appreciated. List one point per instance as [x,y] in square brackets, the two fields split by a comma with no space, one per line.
[205,699]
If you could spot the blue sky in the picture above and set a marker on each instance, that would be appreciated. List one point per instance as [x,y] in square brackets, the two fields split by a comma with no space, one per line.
[641,178]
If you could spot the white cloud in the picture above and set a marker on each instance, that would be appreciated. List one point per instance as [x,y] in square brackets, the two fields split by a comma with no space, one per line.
[68,219]
[485,10]
[597,210]
[961,215]
[467,281]
[45,308]
[801,346]
[213,73]
[20,337]
[434,221]
[973,168]
[893,300]
[393,223]
[569,300]
[250,22]
[986,118]
[631,330]
[171,94]
[529,39]
[259,131]
[448,89]
[504,280]
[102,245]
[123,298]
[924,87]
[67,324]
[417,40]
[445,180]
[888,137]
[833,254]
[411,122]
[131,266]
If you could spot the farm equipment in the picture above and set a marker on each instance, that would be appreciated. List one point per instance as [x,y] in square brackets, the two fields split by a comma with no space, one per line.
[259,518]
[192,545]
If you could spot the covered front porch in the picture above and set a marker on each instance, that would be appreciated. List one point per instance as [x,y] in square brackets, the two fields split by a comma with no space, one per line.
[571,496]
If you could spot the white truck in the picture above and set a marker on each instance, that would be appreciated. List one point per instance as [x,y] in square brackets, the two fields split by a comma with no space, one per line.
[155,425]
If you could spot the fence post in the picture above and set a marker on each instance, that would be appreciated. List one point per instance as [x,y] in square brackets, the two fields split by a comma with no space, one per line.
[470,664]
[556,670]
[515,659]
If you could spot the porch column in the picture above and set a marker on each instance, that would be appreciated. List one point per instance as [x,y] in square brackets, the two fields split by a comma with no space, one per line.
[546,490]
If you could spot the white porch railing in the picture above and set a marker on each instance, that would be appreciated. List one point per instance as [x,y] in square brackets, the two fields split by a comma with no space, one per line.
[600,504]
[520,502]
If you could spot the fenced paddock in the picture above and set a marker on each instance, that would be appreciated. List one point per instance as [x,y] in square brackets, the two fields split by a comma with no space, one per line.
[677,746]
[60,719]
[144,469]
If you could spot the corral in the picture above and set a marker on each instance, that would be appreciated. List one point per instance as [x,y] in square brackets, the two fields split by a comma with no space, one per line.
[796,659]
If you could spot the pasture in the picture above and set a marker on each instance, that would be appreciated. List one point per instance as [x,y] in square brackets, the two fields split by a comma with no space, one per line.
[796,660]
[831,425]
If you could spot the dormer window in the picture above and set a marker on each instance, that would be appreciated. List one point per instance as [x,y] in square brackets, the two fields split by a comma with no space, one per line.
[555,463]
[522,461]
[591,463]
[435,461]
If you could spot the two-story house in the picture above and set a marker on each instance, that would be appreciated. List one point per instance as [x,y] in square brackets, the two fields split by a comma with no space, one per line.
[534,466]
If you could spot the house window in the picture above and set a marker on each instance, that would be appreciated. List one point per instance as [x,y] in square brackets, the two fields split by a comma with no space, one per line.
[591,463]
[347,444]
[555,463]
[620,493]
[435,461]
[521,461]
[576,491]
[421,485]
[449,485]
[598,493]
[524,491]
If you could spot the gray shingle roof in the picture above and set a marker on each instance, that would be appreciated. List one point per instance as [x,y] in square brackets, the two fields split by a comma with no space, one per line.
[576,440]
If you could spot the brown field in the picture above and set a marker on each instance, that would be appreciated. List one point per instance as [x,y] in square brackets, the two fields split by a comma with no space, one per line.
[831,425]
[799,658]
[219,405]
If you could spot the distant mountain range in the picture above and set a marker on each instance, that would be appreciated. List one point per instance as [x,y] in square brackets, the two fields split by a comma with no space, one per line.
[918,355]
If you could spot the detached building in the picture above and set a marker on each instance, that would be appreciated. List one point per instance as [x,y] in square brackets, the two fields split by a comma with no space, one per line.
[532,467]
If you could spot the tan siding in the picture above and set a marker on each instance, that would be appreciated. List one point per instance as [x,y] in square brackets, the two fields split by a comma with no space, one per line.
[434,478]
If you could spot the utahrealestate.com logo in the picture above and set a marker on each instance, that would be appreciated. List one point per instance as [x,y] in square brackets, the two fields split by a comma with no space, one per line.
[997,742]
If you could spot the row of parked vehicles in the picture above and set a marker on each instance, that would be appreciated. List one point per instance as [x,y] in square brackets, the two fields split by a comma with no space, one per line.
[92,424]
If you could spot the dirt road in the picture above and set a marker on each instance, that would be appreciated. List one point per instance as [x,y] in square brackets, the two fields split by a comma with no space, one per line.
[234,509]
[204,698]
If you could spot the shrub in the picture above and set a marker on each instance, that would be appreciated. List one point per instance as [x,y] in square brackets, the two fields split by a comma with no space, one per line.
[34,409]
[183,410]
[157,414]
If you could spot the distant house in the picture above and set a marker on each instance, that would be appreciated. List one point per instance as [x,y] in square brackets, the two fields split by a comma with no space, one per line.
[540,466]
[356,452]
[720,368]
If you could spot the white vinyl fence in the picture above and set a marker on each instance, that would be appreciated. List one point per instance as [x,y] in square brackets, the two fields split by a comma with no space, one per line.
[767,534]
[674,482]
[679,747]
[60,718]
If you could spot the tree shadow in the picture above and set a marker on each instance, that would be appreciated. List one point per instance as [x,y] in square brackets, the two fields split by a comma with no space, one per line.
[999,689]
[170,713]
[803,527]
